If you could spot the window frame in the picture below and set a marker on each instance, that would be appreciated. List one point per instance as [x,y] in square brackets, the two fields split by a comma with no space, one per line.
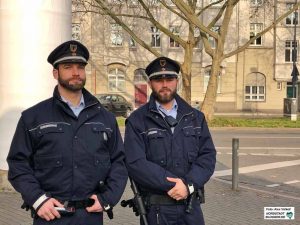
[255,87]
[255,32]
[118,32]
[289,51]
[155,37]
[291,17]
[118,77]
[172,42]
[255,97]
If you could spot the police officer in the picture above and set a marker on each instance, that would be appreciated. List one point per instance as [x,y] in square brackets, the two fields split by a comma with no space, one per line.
[169,150]
[65,146]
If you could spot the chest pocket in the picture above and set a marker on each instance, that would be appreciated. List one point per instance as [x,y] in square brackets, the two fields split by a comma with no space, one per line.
[191,138]
[97,137]
[105,133]
[49,139]
[157,145]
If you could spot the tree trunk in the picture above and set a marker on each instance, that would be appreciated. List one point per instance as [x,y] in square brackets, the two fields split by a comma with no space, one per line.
[186,72]
[211,92]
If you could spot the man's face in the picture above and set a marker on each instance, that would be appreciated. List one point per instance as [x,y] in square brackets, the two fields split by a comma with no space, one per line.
[164,90]
[70,76]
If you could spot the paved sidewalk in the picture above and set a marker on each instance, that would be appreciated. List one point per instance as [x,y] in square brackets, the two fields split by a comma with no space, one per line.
[223,207]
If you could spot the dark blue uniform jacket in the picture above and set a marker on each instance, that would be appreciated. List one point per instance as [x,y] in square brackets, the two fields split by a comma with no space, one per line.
[154,153]
[57,153]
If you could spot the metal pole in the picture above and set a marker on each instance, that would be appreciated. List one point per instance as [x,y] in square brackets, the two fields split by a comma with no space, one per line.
[235,163]
[295,46]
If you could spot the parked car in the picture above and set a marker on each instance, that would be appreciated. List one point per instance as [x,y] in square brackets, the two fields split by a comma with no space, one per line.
[116,104]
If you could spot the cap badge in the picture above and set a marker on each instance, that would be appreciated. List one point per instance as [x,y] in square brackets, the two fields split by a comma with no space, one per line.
[73,49]
[163,63]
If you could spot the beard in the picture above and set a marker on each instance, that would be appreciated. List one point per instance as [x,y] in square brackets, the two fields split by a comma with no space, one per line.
[164,97]
[69,86]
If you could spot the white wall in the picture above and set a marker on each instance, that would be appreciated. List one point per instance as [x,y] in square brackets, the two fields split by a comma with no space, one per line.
[29,31]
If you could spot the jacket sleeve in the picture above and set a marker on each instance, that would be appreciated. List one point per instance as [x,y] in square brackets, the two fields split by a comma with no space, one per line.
[20,171]
[204,166]
[144,172]
[117,177]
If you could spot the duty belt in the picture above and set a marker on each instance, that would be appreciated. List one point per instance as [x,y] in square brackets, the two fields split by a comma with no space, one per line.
[163,200]
[80,204]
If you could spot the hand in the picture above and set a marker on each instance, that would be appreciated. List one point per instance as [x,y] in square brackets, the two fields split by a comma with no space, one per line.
[96,207]
[47,210]
[179,191]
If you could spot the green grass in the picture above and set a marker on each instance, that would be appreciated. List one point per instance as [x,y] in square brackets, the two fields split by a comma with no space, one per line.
[121,121]
[255,122]
[279,122]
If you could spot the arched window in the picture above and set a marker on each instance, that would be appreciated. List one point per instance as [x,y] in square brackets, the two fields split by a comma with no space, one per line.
[116,80]
[255,86]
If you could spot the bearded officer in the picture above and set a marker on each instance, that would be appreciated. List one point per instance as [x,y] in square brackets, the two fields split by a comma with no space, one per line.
[66,147]
[169,150]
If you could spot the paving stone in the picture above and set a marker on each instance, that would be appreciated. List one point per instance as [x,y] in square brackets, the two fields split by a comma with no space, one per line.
[223,207]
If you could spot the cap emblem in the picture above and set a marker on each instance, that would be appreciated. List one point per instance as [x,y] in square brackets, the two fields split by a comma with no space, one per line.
[163,63]
[73,49]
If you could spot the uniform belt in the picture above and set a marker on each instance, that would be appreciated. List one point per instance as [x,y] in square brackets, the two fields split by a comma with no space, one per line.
[80,204]
[164,200]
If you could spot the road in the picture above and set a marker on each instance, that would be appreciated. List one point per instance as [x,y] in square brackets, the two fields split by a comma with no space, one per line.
[269,159]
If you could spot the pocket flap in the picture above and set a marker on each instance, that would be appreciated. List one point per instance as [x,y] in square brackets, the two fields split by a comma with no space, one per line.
[198,131]
[42,162]
[188,131]
[98,128]
[155,134]
[50,128]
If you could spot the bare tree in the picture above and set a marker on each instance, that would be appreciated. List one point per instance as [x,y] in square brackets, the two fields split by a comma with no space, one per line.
[191,13]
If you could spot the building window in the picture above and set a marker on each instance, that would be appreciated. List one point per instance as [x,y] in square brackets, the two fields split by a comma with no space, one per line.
[206,80]
[155,37]
[255,87]
[255,28]
[212,40]
[76,33]
[175,31]
[291,51]
[291,19]
[116,35]
[140,76]
[254,3]
[116,80]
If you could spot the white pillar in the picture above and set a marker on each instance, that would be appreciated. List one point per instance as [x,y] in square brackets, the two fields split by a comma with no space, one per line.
[29,30]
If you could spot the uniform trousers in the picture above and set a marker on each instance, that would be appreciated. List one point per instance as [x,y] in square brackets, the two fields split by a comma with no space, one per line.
[81,217]
[174,215]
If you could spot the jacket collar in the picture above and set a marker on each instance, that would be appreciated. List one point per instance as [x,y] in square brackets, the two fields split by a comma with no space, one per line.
[89,99]
[183,106]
